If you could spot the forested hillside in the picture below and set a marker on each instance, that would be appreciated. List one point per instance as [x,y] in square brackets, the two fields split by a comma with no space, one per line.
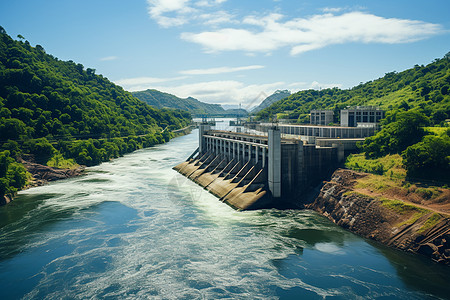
[426,88]
[197,108]
[159,99]
[58,112]
[406,146]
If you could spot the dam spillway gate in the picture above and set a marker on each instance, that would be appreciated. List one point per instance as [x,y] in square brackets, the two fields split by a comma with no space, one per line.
[249,171]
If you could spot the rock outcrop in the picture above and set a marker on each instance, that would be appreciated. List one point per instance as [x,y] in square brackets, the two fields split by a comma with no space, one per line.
[43,174]
[427,232]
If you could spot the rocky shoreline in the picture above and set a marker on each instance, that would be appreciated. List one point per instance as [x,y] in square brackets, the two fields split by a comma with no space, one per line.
[366,216]
[44,174]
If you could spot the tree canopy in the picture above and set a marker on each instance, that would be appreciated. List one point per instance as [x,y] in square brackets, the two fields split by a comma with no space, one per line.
[401,129]
[52,108]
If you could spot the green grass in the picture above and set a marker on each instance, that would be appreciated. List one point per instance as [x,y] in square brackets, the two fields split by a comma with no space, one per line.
[58,161]
[389,165]
[403,208]
[376,183]
[432,221]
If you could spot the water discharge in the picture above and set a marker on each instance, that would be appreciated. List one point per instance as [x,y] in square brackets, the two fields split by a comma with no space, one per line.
[135,229]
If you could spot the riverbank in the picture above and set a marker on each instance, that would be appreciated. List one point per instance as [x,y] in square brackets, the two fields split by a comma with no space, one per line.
[42,174]
[388,215]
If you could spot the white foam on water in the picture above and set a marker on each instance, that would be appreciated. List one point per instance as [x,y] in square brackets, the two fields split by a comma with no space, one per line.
[135,229]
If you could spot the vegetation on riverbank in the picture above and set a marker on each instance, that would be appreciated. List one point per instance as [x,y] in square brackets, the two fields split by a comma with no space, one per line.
[414,131]
[405,149]
[58,113]
[423,88]
[410,217]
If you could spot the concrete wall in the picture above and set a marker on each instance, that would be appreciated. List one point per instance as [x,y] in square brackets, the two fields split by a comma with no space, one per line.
[244,169]
[320,131]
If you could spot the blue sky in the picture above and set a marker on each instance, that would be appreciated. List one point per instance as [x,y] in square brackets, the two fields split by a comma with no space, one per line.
[229,51]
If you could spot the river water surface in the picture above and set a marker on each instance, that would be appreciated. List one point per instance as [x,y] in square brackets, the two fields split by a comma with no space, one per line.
[135,229]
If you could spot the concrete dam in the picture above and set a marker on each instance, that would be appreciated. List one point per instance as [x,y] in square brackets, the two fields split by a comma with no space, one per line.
[249,171]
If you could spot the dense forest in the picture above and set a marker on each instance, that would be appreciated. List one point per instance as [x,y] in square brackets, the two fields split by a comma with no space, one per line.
[61,113]
[159,99]
[425,88]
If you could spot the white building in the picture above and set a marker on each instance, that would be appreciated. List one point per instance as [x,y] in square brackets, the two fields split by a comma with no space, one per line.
[321,117]
[361,116]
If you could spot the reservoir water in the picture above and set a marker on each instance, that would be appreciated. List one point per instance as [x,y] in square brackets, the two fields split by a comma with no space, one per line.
[135,229]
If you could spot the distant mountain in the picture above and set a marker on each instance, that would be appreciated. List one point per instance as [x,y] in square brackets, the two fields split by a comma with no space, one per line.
[159,99]
[278,95]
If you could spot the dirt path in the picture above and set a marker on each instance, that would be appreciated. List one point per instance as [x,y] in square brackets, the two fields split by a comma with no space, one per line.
[441,208]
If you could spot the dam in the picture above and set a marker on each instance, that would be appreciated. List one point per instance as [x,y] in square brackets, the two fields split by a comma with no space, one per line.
[249,171]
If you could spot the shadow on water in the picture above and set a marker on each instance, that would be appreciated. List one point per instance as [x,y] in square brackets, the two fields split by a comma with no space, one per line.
[23,218]
[321,245]
[20,207]
[28,217]
[418,272]
[308,228]
[62,245]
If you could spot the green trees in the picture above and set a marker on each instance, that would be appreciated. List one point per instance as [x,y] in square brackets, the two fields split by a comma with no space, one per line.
[430,158]
[400,130]
[12,175]
[425,155]
[41,96]
[57,111]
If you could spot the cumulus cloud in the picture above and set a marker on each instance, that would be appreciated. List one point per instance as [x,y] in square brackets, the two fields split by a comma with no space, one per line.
[169,13]
[176,9]
[270,33]
[220,70]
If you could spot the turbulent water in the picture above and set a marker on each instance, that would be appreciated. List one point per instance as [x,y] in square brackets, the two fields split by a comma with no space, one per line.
[135,229]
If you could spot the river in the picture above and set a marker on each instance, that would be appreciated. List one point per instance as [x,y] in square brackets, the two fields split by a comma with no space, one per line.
[135,229]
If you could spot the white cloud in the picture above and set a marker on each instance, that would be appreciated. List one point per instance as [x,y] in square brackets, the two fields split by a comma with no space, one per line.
[216,18]
[228,92]
[220,70]
[315,32]
[109,58]
[209,3]
[169,13]
[177,8]
[332,9]
[143,83]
